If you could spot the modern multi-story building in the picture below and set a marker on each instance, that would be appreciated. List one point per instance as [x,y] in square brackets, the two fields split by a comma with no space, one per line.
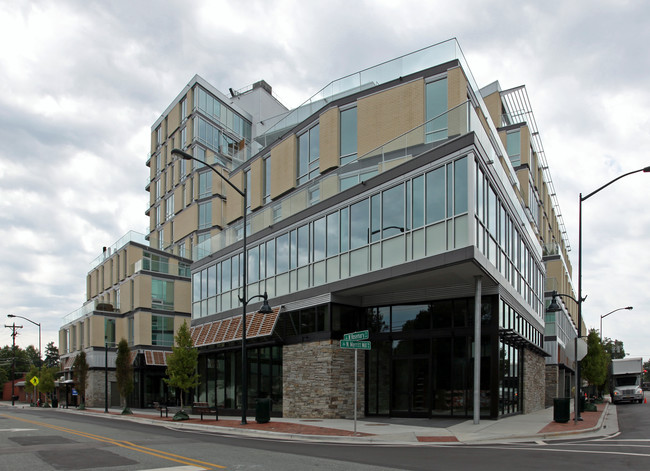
[402,200]
[512,114]
[137,293]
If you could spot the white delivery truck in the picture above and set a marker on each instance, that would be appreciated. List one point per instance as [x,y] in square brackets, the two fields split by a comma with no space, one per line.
[626,380]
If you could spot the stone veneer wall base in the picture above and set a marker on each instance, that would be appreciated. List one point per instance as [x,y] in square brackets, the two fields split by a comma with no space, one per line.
[318,380]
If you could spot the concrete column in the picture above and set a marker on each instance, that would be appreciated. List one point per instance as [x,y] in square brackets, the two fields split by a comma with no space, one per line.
[477,348]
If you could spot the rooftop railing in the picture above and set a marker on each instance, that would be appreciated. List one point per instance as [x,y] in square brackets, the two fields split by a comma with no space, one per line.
[131,236]
[379,74]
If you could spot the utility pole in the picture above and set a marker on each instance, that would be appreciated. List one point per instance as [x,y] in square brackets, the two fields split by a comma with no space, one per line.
[13,361]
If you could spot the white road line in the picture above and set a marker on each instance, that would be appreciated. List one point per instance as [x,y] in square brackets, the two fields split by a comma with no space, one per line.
[17,429]
[596,452]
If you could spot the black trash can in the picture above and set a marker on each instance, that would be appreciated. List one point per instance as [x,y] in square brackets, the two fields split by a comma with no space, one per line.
[55,403]
[561,409]
[582,403]
[263,410]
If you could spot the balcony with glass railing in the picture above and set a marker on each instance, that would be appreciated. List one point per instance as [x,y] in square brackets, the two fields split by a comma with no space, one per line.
[87,309]
[131,236]
[176,269]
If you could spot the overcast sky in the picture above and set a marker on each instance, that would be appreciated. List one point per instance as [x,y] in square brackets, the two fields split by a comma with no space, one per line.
[82,82]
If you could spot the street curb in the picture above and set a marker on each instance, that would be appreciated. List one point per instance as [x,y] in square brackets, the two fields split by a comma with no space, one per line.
[544,436]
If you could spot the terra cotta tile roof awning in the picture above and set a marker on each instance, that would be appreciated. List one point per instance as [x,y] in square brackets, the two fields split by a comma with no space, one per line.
[229,329]
[156,357]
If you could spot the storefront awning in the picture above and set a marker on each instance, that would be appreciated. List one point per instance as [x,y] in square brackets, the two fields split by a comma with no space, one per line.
[156,357]
[230,329]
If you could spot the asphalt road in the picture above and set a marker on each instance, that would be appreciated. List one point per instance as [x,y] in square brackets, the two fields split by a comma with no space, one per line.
[42,439]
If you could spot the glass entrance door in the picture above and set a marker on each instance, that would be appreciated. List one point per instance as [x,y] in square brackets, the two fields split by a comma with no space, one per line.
[410,387]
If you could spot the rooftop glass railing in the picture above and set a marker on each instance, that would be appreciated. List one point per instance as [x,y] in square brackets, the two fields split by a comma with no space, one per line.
[379,74]
[131,236]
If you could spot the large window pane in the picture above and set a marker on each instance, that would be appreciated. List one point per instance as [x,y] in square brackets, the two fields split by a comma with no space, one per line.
[393,211]
[319,239]
[348,136]
[282,254]
[359,224]
[436,106]
[435,194]
[332,234]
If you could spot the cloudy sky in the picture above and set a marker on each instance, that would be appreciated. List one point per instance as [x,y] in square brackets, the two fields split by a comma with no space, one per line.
[82,82]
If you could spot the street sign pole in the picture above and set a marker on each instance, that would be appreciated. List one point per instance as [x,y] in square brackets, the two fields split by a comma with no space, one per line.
[356,341]
[355,390]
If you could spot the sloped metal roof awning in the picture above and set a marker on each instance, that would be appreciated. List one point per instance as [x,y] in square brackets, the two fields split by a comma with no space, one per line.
[230,329]
[155,357]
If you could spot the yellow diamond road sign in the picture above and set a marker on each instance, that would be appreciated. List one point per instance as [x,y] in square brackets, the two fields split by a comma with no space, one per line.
[34,381]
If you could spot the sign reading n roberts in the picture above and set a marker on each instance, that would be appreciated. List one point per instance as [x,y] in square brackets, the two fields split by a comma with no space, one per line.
[361,335]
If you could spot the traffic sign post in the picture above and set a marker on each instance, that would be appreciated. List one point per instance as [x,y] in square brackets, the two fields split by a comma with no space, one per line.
[356,341]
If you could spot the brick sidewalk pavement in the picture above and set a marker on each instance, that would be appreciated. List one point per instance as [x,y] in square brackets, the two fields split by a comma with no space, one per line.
[589,420]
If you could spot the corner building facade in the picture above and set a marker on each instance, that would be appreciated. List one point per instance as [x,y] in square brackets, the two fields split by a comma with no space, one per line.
[388,202]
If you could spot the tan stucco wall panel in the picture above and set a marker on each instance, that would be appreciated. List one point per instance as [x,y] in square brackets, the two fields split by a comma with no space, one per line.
[388,114]
[283,174]
[257,183]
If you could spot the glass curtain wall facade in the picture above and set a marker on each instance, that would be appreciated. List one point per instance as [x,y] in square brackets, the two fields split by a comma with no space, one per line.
[220,375]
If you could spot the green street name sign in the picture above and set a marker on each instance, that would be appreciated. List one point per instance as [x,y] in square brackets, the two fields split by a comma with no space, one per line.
[361,335]
[355,344]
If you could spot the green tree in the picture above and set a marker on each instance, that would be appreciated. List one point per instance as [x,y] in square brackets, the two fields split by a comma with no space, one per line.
[646,371]
[614,348]
[124,373]
[51,355]
[182,364]
[46,385]
[594,365]
[80,375]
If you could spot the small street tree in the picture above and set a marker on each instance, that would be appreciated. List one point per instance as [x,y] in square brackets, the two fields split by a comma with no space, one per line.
[181,366]
[124,373]
[46,385]
[80,375]
[51,355]
[594,365]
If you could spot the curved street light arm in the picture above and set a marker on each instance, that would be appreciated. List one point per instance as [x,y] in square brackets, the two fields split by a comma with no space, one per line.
[187,156]
[582,198]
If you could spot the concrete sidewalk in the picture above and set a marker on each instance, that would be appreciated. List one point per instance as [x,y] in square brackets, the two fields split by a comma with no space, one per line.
[535,426]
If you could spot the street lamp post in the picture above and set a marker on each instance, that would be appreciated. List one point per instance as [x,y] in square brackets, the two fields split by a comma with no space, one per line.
[265,309]
[106,374]
[629,308]
[583,198]
[39,348]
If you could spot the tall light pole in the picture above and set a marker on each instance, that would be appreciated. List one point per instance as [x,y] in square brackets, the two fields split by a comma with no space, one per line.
[13,328]
[583,198]
[40,361]
[629,308]
[265,309]
[105,374]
